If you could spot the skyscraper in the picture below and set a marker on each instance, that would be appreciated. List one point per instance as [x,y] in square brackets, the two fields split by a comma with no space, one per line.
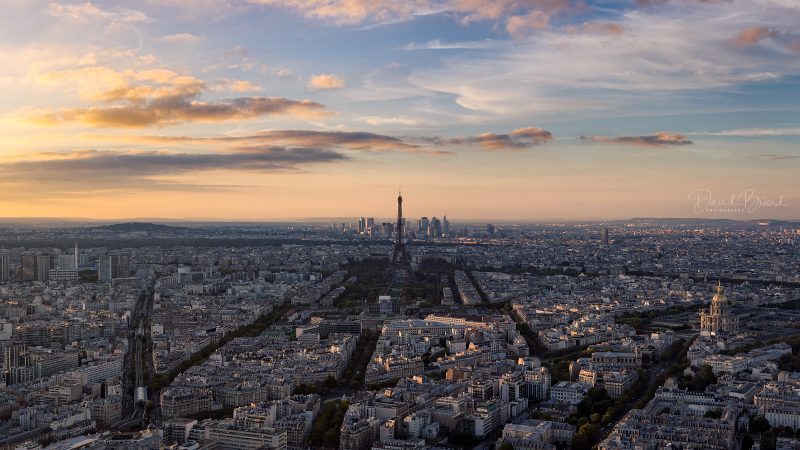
[435,227]
[5,266]
[43,266]
[112,266]
[28,267]
[605,235]
[423,226]
[445,226]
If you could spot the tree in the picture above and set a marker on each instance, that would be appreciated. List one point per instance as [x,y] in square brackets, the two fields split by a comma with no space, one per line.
[747,442]
[759,424]
[586,436]
[506,446]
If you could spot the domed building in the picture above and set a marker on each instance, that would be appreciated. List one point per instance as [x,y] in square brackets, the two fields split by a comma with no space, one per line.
[719,320]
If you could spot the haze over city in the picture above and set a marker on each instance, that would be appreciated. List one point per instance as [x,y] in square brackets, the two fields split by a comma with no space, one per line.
[505,110]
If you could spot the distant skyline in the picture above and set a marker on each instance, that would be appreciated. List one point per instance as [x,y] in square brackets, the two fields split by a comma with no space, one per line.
[484,110]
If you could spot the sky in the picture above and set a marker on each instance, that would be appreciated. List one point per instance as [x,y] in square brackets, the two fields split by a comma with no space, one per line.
[490,110]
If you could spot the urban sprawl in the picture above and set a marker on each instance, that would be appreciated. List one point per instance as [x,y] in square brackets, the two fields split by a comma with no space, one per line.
[401,334]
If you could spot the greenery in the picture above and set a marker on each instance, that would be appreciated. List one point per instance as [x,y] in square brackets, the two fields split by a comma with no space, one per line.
[759,425]
[598,410]
[532,339]
[640,320]
[702,379]
[586,436]
[325,431]
[426,283]
[353,375]
[160,381]
[369,284]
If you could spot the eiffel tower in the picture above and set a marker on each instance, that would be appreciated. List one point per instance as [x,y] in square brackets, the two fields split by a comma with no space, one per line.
[400,266]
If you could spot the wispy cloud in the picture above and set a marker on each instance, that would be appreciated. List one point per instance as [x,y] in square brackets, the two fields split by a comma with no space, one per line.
[754,132]
[393,120]
[517,16]
[90,11]
[86,170]
[661,139]
[353,140]
[774,156]
[438,44]
[556,70]
[180,109]
[181,38]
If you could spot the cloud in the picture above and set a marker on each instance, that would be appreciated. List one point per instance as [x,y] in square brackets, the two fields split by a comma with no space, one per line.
[86,170]
[158,97]
[518,16]
[518,139]
[773,156]
[239,85]
[608,28]
[325,81]
[181,38]
[519,26]
[661,139]
[175,110]
[89,11]
[753,35]
[393,120]
[438,44]
[354,140]
[350,11]
[756,132]
[680,47]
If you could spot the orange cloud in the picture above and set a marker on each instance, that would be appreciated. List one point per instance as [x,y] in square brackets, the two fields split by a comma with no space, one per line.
[518,139]
[175,110]
[597,28]
[325,81]
[519,16]
[239,85]
[753,35]
[157,97]
[181,38]
[350,11]
[655,140]
[518,26]
[794,46]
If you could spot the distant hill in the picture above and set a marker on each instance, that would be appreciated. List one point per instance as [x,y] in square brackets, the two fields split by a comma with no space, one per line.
[129,227]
